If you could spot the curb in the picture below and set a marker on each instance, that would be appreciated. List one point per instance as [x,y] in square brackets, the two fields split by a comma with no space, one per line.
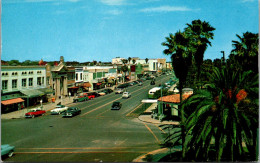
[158,151]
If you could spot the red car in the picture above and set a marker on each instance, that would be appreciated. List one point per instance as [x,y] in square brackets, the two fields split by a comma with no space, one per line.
[90,95]
[34,112]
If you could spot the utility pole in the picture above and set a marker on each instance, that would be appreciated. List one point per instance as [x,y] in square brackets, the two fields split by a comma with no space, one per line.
[223,52]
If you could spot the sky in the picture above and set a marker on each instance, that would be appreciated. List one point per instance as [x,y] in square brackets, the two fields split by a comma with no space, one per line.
[87,30]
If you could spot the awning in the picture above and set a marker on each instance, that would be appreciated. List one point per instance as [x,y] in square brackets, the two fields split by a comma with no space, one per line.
[32,93]
[46,90]
[86,85]
[12,101]
[73,87]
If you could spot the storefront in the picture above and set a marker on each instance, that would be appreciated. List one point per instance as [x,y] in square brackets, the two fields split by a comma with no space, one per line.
[12,105]
[32,97]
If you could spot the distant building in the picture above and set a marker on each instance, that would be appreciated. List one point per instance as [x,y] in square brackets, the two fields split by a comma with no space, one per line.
[117,61]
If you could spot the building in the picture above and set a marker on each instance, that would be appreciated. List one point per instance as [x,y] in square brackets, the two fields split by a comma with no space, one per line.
[117,60]
[22,86]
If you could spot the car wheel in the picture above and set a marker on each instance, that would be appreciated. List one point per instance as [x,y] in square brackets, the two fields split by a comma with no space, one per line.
[10,154]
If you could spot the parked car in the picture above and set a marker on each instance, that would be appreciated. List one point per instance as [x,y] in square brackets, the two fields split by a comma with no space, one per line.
[59,109]
[131,83]
[108,90]
[119,90]
[71,111]
[92,95]
[116,105]
[34,112]
[126,95]
[80,98]
[101,93]
[7,150]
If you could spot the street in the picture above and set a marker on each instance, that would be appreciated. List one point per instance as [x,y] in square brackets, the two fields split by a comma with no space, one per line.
[97,134]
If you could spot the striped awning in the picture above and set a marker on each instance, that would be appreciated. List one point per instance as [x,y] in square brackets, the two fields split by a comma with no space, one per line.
[12,101]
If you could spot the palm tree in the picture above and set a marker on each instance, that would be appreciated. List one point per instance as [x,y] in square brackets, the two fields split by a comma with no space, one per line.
[146,60]
[133,61]
[177,47]
[224,116]
[246,51]
[129,59]
[199,33]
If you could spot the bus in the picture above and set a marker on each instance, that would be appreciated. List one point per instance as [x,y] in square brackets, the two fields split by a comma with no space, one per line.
[152,91]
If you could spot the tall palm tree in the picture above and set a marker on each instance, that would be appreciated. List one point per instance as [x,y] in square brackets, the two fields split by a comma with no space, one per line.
[224,115]
[177,47]
[246,51]
[199,33]
[133,61]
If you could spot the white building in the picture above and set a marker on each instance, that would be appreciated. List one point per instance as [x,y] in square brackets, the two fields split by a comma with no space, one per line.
[117,60]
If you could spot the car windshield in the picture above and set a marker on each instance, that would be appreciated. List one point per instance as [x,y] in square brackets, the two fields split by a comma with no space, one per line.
[116,104]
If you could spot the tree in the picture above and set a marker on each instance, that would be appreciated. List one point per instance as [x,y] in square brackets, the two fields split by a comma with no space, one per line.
[245,51]
[124,69]
[124,61]
[199,34]
[146,60]
[178,47]
[225,117]
[129,59]
[133,61]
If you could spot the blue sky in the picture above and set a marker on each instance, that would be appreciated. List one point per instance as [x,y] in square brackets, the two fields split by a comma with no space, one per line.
[87,30]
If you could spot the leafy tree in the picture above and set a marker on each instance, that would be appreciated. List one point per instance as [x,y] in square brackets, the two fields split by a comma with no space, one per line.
[146,60]
[129,59]
[178,47]
[124,61]
[14,63]
[199,34]
[133,61]
[225,117]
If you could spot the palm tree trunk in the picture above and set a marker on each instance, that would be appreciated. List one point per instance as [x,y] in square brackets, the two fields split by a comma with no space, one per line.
[182,121]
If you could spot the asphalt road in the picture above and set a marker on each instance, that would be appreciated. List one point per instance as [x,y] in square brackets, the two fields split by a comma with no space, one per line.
[97,134]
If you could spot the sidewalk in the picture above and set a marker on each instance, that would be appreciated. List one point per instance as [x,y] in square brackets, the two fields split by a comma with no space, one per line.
[46,106]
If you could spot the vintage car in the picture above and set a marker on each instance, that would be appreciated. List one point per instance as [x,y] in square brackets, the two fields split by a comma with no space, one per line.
[71,111]
[119,90]
[7,150]
[34,112]
[116,105]
[101,93]
[59,109]
[80,98]
[108,90]
[126,95]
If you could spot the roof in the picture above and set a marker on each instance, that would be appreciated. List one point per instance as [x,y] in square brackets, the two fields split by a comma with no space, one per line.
[32,93]
[12,101]
[173,98]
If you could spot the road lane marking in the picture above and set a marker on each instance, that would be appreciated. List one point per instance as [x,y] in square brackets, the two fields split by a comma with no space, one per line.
[152,133]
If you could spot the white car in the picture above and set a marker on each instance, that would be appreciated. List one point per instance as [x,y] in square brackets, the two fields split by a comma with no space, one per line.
[126,95]
[59,109]
[119,91]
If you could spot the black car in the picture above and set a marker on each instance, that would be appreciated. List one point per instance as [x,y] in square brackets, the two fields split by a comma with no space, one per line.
[116,105]
[71,111]
[107,91]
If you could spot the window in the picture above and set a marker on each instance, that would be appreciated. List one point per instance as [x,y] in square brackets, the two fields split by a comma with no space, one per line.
[24,73]
[42,80]
[30,81]
[23,82]
[30,72]
[38,80]
[14,73]
[80,76]
[39,72]
[4,84]
[14,83]
[77,76]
